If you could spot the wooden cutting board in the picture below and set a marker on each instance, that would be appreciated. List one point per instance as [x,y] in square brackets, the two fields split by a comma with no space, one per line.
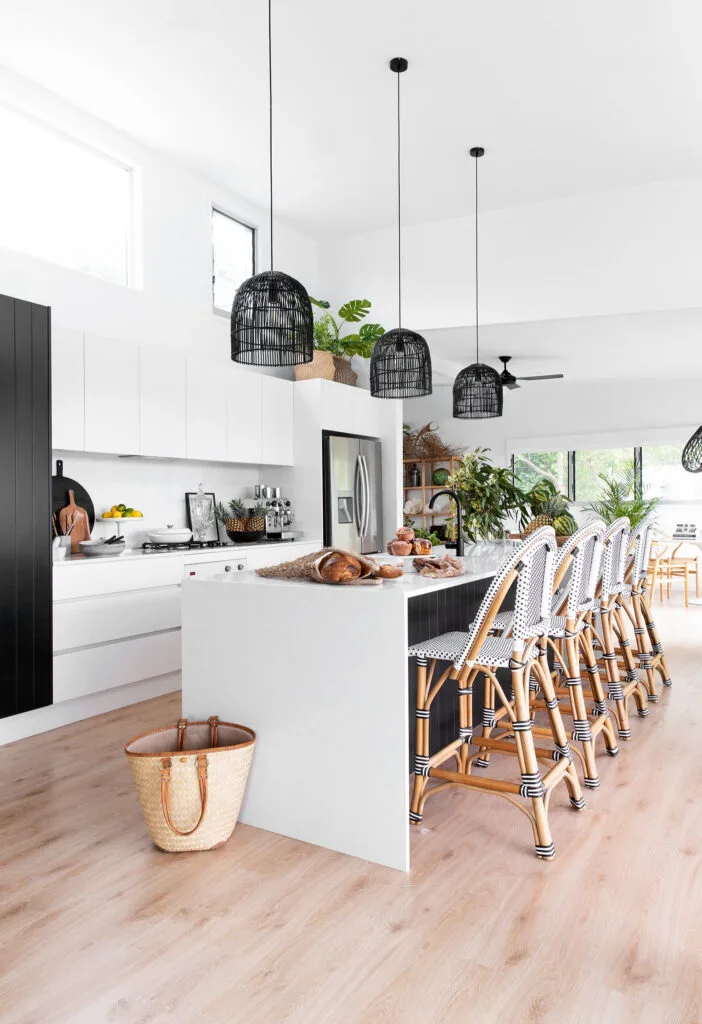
[74,516]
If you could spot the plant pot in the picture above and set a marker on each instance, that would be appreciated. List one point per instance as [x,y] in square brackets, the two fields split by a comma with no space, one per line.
[343,372]
[322,367]
[245,531]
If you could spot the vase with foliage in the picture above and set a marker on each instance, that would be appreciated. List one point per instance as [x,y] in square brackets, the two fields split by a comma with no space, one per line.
[333,349]
[488,495]
[620,496]
[547,507]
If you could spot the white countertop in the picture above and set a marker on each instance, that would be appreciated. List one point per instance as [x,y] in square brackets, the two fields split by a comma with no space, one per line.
[481,562]
[196,554]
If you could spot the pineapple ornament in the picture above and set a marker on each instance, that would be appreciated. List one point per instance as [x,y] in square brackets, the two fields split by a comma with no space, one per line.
[554,512]
[242,523]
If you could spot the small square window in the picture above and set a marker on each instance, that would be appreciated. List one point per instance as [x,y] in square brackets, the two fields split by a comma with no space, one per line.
[233,258]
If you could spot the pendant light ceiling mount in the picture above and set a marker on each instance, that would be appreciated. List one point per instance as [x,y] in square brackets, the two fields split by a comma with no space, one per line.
[272,322]
[400,361]
[477,390]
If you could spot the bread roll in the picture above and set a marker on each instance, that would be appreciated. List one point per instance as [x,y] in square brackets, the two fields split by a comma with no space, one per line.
[421,546]
[389,572]
[399,548]
[405,533]
[337,568]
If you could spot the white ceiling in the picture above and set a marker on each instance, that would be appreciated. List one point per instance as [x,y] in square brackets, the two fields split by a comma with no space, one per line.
[566,97]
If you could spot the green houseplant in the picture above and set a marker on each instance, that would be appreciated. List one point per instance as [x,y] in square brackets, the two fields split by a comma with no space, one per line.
[488,495]
[621,497]
[333,349]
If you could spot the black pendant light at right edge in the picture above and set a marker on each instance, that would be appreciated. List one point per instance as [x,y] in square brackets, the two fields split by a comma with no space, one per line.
[400,362]
[477,390]
[692,453]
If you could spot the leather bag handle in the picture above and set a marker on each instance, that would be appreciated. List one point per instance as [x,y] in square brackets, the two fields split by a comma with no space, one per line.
[181,725]
[166,792]
[213,723]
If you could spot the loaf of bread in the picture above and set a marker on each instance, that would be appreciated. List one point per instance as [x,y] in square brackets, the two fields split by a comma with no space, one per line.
[421,546]
[337,568]
[405,533]
[389,572]
[400,548]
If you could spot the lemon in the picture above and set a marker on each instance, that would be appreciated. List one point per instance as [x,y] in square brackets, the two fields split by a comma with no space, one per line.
[137,514]
[107,515]
[117,515]
[113,508]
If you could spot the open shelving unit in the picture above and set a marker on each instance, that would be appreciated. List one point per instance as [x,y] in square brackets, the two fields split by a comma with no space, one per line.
[425,489]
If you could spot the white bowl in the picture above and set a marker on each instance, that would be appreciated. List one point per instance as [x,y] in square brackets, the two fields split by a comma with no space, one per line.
[99,547]
[170,535]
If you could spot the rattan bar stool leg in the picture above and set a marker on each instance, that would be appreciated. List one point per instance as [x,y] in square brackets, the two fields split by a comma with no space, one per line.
[488,719]
[656,645]
[560,738]
[532,785]
[581,732]
[421,750]
[633,687]
[615,690]
[600,708]
[465,714]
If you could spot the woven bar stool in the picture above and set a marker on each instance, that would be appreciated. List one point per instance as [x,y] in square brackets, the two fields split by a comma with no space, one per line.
[476,652]
[636,606]
[569,639]
[610,636]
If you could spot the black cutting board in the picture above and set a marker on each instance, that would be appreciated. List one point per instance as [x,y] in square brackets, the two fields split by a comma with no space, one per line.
[61,485]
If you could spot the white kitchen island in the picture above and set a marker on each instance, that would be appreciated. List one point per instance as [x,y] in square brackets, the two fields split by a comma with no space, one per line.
[321,674]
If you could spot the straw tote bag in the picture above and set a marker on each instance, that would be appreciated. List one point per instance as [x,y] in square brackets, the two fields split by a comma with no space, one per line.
[190,778]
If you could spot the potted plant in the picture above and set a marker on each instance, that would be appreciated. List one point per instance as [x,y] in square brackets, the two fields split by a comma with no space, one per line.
[546,506]
[243,525]
[621,497]
[332,349]
[488,495]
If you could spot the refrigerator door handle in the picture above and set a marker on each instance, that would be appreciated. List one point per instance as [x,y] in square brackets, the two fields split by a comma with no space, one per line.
[358,513]
[365,521]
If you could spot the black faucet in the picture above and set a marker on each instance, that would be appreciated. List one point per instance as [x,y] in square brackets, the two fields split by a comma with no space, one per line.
[459,512]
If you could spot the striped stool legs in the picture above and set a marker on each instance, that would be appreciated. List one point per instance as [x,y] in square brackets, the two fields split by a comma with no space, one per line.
[581,732]
[488,718]
[633,686]
[560,736]
[600,720]
[615,690]
[650,648]
[421,742]
[532,784]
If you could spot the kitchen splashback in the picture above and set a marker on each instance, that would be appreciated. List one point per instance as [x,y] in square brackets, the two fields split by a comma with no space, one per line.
[157,487]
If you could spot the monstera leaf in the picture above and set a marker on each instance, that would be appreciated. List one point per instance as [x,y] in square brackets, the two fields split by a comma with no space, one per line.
[371,332]
[322,303]
[354,310]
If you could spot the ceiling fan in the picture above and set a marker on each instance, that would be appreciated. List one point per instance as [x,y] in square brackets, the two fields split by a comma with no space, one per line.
[510,381]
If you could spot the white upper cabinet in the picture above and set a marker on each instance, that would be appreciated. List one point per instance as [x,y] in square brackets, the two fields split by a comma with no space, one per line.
[162,402]
[111,396]
[277,426]
[67,390]
[207,384]
[244,415]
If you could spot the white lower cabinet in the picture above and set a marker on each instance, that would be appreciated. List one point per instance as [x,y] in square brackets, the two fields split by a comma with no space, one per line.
[119,623]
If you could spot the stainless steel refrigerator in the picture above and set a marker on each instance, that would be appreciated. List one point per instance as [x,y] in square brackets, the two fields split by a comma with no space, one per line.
[353,487]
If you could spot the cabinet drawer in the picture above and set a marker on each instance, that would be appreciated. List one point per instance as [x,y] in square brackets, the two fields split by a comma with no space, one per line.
[77,673]
[102,619]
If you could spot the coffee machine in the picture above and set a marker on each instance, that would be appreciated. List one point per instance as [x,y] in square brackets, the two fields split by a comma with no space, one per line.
[279,512]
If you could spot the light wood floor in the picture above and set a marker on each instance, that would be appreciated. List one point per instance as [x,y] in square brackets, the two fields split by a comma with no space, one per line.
[97,926]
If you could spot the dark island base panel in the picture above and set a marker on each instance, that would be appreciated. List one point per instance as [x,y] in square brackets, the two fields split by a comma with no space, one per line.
[428,616]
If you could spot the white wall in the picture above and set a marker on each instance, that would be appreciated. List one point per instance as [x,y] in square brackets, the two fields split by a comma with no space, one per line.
[556,415]
[612,252]
[174,304]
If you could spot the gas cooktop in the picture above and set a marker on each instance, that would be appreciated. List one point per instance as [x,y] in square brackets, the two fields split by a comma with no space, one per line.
[190,545]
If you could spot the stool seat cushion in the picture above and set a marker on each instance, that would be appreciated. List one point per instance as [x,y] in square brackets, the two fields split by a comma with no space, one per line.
[495,652]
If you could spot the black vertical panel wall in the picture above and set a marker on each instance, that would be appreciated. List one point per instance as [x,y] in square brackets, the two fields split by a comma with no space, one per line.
[25,507]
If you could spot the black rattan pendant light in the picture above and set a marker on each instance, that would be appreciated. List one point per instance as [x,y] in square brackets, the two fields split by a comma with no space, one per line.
[272,316]
[477,390]
[400,362]
[692,453]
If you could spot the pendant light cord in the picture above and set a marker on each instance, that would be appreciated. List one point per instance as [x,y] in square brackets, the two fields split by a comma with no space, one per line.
[270,122]
[399,213]
[477,342]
